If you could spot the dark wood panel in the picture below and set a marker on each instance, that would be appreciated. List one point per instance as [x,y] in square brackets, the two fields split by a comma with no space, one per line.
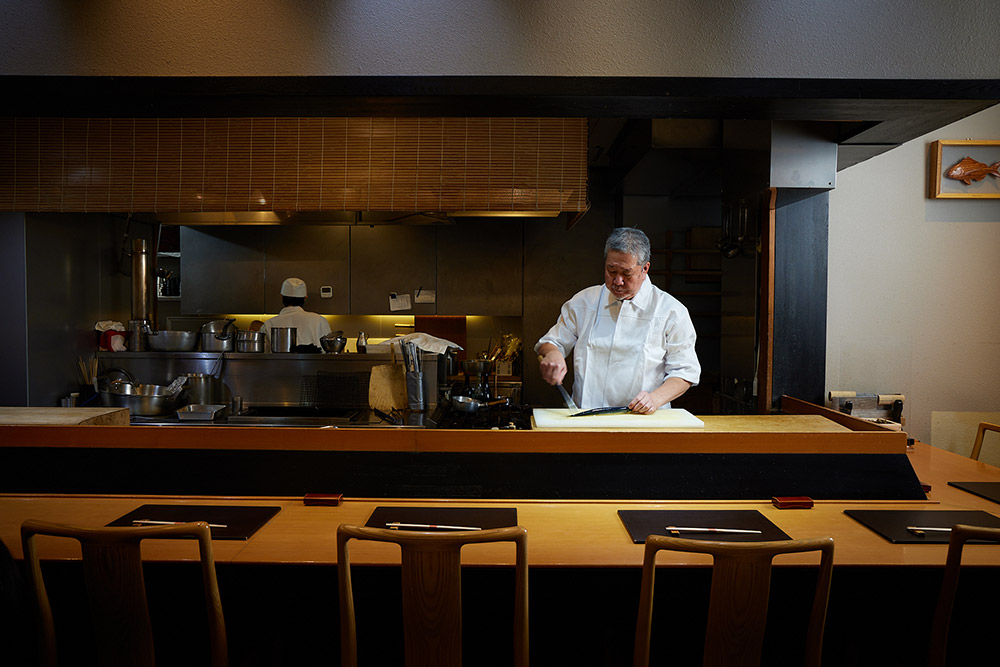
[800,246]
[222,270]
[391,259]
[318,255]
[479,267]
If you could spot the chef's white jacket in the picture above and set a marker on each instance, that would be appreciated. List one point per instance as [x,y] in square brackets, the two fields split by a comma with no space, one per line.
[310,327]
[623,347]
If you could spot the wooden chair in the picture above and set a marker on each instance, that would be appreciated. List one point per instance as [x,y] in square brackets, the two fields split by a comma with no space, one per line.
[960,534]
[112,569]
[741,580]
[978,444]
[431,590]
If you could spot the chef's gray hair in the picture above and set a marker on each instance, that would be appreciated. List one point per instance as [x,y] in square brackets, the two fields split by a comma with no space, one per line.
[628,240]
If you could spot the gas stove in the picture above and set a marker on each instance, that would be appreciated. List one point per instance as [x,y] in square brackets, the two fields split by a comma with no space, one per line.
[511,417]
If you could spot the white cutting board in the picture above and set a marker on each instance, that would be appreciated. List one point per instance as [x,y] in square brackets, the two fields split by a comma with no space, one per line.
[559,418]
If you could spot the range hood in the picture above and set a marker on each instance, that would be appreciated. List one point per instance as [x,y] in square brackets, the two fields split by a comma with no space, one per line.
[335,170]
[302,218]
[369,218]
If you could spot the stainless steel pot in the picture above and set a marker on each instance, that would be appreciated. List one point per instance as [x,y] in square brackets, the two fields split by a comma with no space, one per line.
[172,341]
[203,389]
[218,336]
[146,400]
[283,339]
[217,326]
[251,341]
[213,342]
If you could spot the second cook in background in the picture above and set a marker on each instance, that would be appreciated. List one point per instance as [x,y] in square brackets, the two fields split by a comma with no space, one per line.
[632,343]
[310,327]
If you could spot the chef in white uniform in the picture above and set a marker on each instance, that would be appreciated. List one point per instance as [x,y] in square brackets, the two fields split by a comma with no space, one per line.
[632,343]
[310,327]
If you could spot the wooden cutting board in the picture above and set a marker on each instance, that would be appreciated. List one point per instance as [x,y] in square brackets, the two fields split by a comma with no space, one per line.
[559,418]
[65,416]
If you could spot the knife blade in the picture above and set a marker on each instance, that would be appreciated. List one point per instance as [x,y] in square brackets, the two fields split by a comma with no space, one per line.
[602,411]
[567,399]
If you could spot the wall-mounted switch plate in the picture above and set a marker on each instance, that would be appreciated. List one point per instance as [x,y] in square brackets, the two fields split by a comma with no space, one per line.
[326,292]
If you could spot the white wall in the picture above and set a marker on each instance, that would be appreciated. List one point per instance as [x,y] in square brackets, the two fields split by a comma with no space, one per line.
[697,38]
[914,286]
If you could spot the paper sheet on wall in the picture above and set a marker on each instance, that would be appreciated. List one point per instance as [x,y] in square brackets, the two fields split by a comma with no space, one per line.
[399,302]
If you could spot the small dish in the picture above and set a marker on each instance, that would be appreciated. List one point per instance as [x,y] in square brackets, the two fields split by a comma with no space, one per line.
[200,411]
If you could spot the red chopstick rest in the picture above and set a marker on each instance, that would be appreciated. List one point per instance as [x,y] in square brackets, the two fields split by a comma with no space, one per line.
[322,498]
[792,502]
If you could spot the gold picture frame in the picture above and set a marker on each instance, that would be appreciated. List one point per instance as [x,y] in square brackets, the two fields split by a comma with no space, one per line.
[982,183]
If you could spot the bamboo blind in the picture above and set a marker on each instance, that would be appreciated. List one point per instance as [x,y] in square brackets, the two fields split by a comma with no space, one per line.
[295,164]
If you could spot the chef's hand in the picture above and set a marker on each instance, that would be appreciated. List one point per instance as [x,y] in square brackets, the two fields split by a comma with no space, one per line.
[552,364]
[647,402]
[644,403]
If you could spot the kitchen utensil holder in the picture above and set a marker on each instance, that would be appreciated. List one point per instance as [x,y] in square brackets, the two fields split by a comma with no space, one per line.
[415,390]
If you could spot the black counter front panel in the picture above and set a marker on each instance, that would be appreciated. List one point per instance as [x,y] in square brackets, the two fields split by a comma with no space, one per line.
[633,476]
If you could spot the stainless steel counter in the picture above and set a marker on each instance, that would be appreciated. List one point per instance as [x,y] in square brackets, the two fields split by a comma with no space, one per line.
[304,418]
[260,379]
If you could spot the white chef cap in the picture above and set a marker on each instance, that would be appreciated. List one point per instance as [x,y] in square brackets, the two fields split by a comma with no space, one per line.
[294,287]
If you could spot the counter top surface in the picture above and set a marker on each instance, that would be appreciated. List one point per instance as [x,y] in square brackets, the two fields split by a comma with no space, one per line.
[65,416]
[794,433]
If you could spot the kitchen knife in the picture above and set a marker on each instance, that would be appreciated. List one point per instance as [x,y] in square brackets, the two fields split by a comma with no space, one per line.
[602,411]
[567,399]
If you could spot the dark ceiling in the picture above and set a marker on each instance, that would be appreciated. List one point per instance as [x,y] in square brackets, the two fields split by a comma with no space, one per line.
[869,116]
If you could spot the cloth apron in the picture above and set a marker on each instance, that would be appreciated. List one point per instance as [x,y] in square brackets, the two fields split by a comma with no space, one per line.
[612,368]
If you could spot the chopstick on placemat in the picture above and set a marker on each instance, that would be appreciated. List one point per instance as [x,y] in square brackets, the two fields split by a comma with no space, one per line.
[154,522]
[691,529]
[428,526]
[920,530]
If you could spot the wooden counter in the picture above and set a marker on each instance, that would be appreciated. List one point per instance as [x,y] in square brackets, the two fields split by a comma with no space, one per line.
[279,587]
[563,533]
[722,434]
[65,416]
[732,457]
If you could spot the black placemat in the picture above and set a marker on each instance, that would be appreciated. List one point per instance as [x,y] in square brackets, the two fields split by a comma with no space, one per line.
[472,517]
[642,523]
[988,490]
[240,521]
[891,524]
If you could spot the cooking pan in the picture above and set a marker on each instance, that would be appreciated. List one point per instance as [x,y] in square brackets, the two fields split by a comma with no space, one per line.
[469,404]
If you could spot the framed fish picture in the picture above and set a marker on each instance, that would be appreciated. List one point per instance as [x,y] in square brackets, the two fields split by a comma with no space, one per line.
[965,169]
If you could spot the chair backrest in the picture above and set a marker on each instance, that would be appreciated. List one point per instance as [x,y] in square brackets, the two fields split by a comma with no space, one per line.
[112,570]
[431,591]
[978,444]
[741,580]
[960,534]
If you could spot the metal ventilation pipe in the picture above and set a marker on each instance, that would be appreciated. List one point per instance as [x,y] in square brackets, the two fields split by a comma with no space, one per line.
[141,295]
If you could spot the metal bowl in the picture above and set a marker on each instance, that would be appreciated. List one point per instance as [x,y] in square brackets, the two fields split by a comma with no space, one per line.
[146,400]
[172,341]
[477,367]
[333,345]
